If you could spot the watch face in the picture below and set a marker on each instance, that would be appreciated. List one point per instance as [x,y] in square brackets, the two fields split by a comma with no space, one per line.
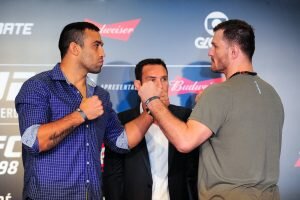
[149,112]
[83,115]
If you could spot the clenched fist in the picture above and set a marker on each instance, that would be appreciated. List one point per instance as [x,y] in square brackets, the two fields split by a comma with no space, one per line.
[147,90]
[92,107]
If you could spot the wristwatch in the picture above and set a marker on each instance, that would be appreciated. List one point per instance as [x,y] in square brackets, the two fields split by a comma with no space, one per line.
[83,115]
[149,112]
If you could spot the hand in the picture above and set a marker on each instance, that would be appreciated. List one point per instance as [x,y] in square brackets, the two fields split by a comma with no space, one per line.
[164,97]
[147,90]
[92,107]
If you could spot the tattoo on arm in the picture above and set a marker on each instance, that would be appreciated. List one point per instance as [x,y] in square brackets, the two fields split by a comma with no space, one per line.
[56,138]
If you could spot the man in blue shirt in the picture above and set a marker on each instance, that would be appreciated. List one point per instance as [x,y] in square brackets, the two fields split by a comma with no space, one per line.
[64,118]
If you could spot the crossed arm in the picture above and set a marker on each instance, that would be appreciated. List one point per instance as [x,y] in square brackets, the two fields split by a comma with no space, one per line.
[184,136]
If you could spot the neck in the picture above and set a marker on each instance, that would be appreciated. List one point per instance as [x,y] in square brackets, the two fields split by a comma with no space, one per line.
[237,68]
[251,73]
[76,78]
[73,74]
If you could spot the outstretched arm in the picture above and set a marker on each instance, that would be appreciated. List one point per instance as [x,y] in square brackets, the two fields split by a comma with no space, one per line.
[137,128]
[184,136]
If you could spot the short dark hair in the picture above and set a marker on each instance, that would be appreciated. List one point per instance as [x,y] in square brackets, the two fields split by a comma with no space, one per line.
[239,32]
[148,61]
[73,32]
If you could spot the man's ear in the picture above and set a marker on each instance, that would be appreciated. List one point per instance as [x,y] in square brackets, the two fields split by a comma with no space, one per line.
[235,50]
[137,84]
[74,48]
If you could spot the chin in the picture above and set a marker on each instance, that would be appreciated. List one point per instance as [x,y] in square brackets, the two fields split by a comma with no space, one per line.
[96,71]
[213,68]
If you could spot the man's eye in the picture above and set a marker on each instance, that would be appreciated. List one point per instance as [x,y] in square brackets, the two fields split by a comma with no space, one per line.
[99,44]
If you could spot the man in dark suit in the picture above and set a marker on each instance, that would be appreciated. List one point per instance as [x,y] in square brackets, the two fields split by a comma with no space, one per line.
[154,169]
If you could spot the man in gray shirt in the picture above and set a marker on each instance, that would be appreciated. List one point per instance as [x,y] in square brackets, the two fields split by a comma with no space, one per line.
[238,122]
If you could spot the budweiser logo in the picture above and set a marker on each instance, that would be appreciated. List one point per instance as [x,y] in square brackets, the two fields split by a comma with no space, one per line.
[182,86]
[119,31]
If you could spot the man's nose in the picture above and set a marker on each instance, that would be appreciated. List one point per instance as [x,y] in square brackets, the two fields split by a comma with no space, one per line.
[210,52]
[159,83]
[102,52]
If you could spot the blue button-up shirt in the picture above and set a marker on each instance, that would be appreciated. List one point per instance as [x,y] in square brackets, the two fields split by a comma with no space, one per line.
[72,169]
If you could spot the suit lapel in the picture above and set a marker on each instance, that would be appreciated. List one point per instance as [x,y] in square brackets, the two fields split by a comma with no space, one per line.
[146,157]
[171,155]
[144,146]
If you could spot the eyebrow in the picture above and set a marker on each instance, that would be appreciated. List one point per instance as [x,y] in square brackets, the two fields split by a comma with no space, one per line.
[213,44]
[99,42]
[166,76]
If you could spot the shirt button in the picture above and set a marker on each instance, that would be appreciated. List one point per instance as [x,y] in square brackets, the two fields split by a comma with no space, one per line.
[87,181]
[87,126]
[87,144]
[87,162]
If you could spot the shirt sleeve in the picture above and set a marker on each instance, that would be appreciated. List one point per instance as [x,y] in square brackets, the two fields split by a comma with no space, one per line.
[212,107]
[29,138]
[115,135]
[33,109]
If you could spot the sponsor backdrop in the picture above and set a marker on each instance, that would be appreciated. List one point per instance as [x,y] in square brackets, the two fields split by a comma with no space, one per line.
[177,31]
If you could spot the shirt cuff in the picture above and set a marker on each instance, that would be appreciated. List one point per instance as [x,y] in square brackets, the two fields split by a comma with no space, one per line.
[29,136]
[122,141]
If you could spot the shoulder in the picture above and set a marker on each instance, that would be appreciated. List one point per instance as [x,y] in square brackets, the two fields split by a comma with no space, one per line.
[218,87]
[40,77]
[128,115]
[35,88]
[267,85]
[180,112]
[268,89]
[175,108]
[129,112]
[37,82]
[217,92]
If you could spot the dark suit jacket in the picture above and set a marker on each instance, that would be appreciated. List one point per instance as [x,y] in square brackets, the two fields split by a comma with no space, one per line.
[128,176]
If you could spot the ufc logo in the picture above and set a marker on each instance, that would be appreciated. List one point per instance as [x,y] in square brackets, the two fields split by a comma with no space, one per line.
[8,144]
[11,82]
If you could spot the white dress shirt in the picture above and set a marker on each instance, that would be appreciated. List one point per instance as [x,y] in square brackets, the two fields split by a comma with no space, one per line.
[158,149]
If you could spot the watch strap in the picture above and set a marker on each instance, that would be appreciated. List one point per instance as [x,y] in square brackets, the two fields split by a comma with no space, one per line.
[83,115]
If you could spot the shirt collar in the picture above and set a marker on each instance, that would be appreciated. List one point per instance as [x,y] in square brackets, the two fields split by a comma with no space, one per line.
[141,108]
[57,74]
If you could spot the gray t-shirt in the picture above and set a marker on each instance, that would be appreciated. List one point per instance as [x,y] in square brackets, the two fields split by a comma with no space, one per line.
[241,159]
